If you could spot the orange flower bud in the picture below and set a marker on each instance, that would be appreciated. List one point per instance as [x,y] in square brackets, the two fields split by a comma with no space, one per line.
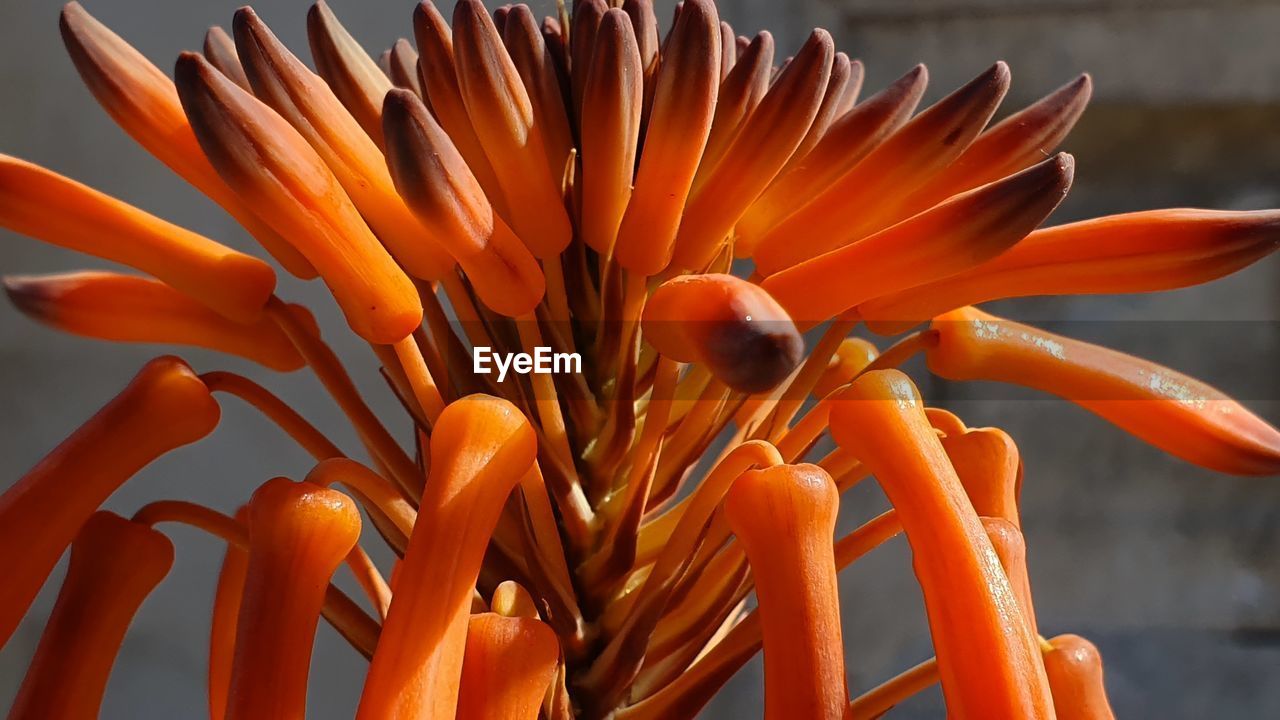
[142,101]
[262,157]
[164,407]
[990,469]
[537,69]
[302,98]
[438,186]
[764,143]
[1177,414]
[841,93]
[1075,674]
[402,67]
[114,565]
[1133,252]
[988,658]
[58,210]
[220,51]
[785,517]
[298,535]
[683,103]
[348,70]
[739,95]
[850,358]
[480,448]
[859,202]
[508,664]
[844,145]
[1011,547]
[222,626]
[746,339]
[128,308]
[944,421]
[610,123]
[942,241]
[502,116]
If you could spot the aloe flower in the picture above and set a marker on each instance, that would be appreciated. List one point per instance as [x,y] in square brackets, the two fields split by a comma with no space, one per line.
[703,225]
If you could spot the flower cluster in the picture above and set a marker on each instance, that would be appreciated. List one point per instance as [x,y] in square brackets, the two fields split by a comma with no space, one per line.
[585,545]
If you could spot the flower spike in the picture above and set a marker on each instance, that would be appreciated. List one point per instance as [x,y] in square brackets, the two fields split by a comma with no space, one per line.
[1180,415]
[165,407]
[114,565]
[260,155]
[1075,674]
[785,517]
[508,664]
[298,535]
[480,449]
[128,308]
[987,656]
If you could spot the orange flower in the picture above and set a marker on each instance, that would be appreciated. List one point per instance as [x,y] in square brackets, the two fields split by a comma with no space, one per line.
[1075,674]
[506,668]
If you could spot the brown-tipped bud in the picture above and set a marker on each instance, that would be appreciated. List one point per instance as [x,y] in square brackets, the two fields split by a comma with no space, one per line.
[862,201]
[843,146]
[261,156]
[142,100]
[610,129]
[843,87]
[402,67]
[480,448]
[849,359]
[537,67]
[283,82]
[128,308]
[502,116]
[507,667]
[955,236]
[988,659]
[1178,414]
[645,23]
[586,18]
[438,186]
[298,535]
[785,517]
[222,624]
[760,149]
[742,334]
[1011,548]
[990,469]
[351,74]
[58,210]
[739,95]
[683,104]
[1074,667]
[114,565]
[1132,252]
[165,406]
[220,51]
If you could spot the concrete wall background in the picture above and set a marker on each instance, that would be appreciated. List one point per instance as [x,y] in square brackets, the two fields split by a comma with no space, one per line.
[1171,570]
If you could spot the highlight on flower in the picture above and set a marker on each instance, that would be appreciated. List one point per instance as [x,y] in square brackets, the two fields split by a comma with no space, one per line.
[676,208]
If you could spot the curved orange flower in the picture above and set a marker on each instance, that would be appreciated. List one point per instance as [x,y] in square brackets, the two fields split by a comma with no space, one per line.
[1075,674]
[506,668]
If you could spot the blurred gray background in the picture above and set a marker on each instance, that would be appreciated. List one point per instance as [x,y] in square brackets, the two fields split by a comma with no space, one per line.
[1171,570]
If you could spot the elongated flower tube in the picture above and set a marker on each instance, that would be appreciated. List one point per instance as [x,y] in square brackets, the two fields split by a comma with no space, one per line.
[987,656]
[1133,252]
[480,449]
[987,462]
[741,333]
[222,626]
[58,210]
[298,535]
[144,102]
[1011,547]
[128,308]
[260,155]
[507,667]
[1180,415]
[785,517]
[940,242]
[165,407]
[114,565]
[302,98]
[1075,674]
[850,358]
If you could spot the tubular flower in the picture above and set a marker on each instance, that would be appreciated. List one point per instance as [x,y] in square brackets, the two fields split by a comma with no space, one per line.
[613,538]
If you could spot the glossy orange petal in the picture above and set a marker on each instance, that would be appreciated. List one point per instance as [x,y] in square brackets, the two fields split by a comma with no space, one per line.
[114,565]
[862,201]
[143,101]
[850,358]
[940,242]
[680,120]
[165,406]
[261,156]
[129,308]
[299,534]
[1178,414]
[1075,674]
[507,667]
[785,517]
[988,658]
[58,210]
[746,339]
[990,469]
[1011,548]
[301,97]
[480,448]
[351,74]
